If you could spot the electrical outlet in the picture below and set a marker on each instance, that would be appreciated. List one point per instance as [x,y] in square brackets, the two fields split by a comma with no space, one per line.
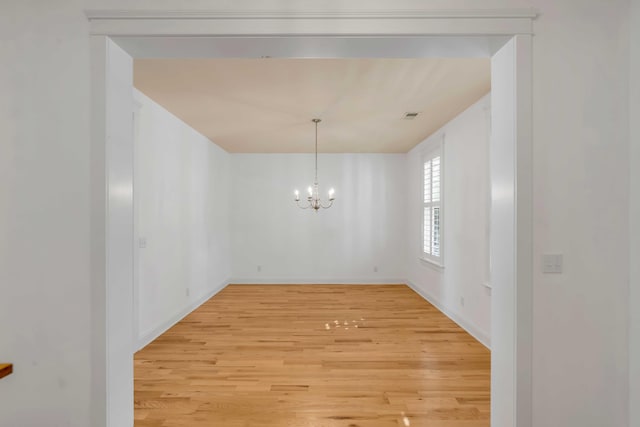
[375,269]
[188,292]
[552,263]
[462,301]
[259,268]
[142,242]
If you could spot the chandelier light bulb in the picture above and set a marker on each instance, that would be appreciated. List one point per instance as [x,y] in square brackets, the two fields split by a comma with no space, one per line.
[310,190]
[297,193]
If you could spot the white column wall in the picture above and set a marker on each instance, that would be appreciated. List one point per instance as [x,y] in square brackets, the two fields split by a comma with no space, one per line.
[119,241]
[581,210]
[45,301]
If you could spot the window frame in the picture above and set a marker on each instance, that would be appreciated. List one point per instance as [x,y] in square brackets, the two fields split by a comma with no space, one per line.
[433,149]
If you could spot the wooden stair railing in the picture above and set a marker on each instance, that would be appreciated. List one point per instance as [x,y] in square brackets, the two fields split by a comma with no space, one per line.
[5,369]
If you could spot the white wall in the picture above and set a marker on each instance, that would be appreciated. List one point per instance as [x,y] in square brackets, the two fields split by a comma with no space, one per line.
[45,311]
[181,186]
[466,215]
[581,209]
[634,216]
[580,120]
[363,229]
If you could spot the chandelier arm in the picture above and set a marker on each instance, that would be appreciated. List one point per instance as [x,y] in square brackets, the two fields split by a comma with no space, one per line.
[328,206]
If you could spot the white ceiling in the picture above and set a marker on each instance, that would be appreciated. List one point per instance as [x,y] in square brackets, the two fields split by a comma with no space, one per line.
[266,105]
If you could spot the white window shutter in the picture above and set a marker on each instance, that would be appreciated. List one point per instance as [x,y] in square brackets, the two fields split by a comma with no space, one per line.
[432,210]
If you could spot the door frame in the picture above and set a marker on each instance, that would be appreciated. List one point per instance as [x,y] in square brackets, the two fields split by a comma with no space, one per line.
[112,174]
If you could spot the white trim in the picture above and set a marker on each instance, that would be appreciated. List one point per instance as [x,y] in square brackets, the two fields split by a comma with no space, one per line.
[254,23]
[431,263]
[523,239]
[523,13]
[474,331]
[137,108]
[487,266]
[308,27]
[148,337]
[98,240]
[313,281]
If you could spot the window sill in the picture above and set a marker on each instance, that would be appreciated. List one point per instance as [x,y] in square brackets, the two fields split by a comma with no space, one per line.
[431,263]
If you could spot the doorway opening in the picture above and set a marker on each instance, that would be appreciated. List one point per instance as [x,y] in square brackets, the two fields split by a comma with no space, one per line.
[113,48]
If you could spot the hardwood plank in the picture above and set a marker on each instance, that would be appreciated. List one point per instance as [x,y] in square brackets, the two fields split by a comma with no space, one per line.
[313,355]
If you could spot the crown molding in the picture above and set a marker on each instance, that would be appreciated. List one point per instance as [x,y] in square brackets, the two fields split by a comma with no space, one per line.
[526,13]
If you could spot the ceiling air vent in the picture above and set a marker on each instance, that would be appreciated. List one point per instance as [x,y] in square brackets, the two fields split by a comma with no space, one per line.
[410,116]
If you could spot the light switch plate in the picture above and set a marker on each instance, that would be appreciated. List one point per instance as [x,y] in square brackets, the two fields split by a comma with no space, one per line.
[552,263]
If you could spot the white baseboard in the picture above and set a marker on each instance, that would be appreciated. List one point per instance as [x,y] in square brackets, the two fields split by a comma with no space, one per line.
[147,338]
[474,331]
[314,281]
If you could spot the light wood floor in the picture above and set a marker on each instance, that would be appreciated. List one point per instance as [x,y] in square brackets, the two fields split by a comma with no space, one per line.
[313,356]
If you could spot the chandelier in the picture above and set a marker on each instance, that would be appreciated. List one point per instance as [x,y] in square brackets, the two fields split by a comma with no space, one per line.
[313,199]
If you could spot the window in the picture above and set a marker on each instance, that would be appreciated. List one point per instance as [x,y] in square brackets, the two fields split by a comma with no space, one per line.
[432,208]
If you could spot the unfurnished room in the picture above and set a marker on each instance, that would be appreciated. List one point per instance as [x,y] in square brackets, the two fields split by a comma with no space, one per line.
[324,283]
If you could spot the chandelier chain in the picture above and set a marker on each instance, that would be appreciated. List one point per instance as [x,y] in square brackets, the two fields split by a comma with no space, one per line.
[316,121]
